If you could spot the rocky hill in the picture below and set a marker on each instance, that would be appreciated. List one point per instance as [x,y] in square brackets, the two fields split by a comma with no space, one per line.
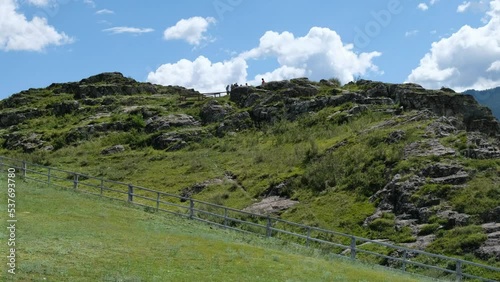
[489,98]
[388,161]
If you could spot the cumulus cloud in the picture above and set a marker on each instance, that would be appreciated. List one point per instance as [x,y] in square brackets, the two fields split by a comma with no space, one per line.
[319,54]
[201,74]
[463,7]
[105,12]
[19,34]
[467,59]
[191,30]
[423,7]
[126,29]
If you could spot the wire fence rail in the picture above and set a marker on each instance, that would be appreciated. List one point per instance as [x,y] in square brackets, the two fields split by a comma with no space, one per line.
[331,242]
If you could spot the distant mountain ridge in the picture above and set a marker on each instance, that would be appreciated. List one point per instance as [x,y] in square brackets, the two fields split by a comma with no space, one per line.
[489,98]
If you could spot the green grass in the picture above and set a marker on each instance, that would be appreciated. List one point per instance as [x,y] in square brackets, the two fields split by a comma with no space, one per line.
[65,236]
[332,184]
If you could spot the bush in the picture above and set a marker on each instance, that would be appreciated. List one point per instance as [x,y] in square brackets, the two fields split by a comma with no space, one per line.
[458,241]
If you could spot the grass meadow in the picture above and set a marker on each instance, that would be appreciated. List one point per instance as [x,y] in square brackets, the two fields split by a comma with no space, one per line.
[66,236]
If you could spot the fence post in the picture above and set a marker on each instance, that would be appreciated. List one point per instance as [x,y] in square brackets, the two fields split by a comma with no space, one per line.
[459,270]
[25,167]
[225,217]
[405,256]
[308,235]
[130,193]
[157,201]
[353,248]
[269,232]
[48,176]
[75,181]
[191,208]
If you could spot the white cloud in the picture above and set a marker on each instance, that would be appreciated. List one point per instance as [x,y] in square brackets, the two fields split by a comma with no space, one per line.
[284,72]
[126,29]
[411,33]
[466,59]
[495,66]
[432,2]
[201,74]
[39,3]
[321,54]
[463,7]
[104,12]
[423,7]
[19,34]
[90,3]
[191,30]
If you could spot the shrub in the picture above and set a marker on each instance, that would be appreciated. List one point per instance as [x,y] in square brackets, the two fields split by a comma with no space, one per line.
[458,241]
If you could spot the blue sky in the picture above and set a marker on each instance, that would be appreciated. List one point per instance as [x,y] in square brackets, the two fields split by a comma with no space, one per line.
[206,44]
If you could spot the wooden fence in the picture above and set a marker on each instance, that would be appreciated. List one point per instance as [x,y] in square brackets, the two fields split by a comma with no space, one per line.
[331,242]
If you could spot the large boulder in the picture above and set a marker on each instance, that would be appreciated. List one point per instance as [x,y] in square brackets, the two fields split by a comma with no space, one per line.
[159,123]
[17,117]
[234,123]
[27,143]
[213,111]
[113,150]
[174,141]
[64,108]
[271,205]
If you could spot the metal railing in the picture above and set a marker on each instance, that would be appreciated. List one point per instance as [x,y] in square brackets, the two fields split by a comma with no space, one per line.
[336,243]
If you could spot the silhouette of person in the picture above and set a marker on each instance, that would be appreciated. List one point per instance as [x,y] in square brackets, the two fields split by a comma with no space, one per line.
[263,82]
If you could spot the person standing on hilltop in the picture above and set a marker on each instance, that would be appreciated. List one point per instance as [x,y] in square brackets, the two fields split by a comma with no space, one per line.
[227,89]
[263,82]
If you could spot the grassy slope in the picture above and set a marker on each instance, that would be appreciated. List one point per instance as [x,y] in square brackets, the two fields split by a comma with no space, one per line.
[333,188]
[63,236]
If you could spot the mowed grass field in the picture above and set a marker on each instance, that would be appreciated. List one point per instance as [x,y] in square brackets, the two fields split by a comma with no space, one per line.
[66,236]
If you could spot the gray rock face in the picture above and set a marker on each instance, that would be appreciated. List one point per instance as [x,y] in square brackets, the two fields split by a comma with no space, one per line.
[446,174]
[214,112]
[480,147]
[396,196]
[174,141]
[92,130]
[159,123]
[270,205]
[234,123]
[426,148]
[113,150]
[441,102]
[64,108]
[26,143]
[491,247]
[454,218]
[443,127]
[17,117]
